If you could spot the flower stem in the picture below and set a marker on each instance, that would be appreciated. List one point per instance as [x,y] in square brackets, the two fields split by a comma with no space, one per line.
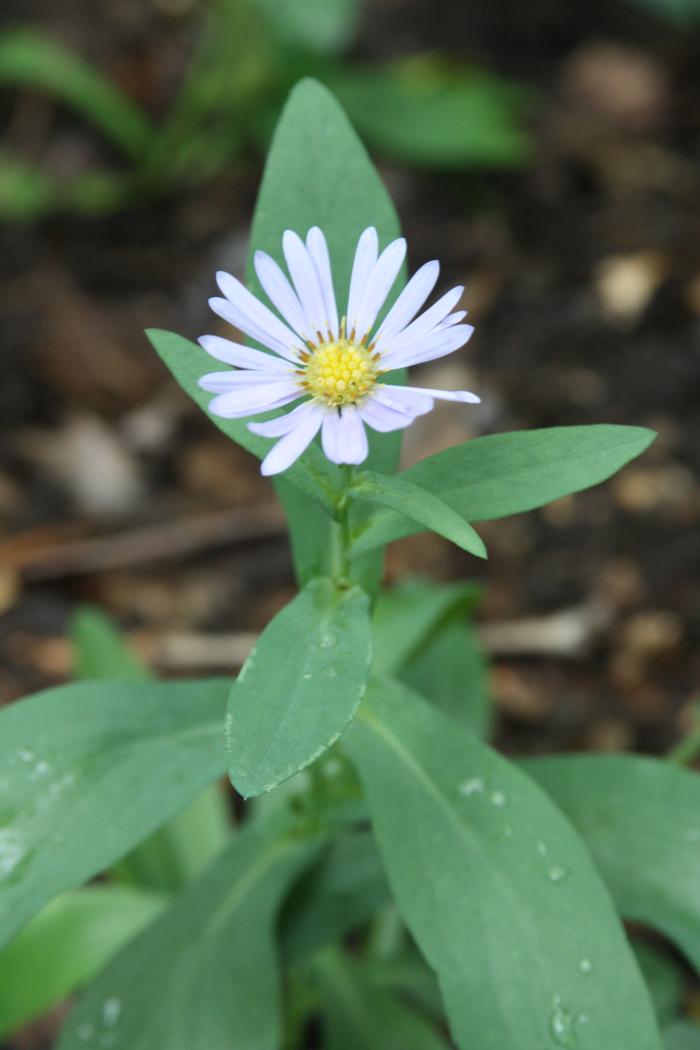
[341,553]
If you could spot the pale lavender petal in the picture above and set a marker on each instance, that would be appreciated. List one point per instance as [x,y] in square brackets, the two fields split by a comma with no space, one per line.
[403,399]
[425,322]
[379,283]
[318,250]
[240,356]
[408,303]
[281,294]
[365,258]
[464,396]
[272,428]
[438,343]
[290,447]
[344,436]
[220,382]
[382,418]
[249,402]
[452,319]
[306,283]
[241,308]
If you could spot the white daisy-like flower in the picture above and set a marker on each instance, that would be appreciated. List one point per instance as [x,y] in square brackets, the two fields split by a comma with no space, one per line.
[336,364]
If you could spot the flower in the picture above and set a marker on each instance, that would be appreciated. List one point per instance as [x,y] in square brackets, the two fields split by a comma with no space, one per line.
[336,364]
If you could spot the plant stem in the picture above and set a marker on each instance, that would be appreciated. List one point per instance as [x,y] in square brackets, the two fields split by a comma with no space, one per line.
[685,753]
[341,553]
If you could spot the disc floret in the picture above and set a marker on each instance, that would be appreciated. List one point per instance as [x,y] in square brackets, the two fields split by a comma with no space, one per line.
[339,372]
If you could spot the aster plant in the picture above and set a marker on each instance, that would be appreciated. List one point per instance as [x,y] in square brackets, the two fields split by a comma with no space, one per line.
[395,881]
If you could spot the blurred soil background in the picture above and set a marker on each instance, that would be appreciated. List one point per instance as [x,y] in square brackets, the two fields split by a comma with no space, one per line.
[578,240]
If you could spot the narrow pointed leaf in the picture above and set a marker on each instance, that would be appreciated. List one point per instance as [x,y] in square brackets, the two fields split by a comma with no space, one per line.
[205,973]
[503,474]
[299,687]
[66,945]
[360,1016]
[88,772]
[496,887]
[425,509]
[640,818]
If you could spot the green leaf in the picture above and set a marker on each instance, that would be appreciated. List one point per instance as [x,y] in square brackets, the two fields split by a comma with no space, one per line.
[318,174]
[451,672]
[344,889]
[65,946]
[100,650]
[496,888]
[664,977]
[491,477]
[179,850]
[680,13]
[425,112]
[89,771]
[28,58]
[299,687]
[312,474]
[318,25]
[682,1035]
[421,506]
[360,1016]
[407,616]
[640,818]
[205,973]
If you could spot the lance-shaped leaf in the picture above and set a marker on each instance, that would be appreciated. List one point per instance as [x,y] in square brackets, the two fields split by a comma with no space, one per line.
[640,818]
[503,474]
[30,58]
[299,687]
[88,771]
[424,508]
[406,617]
[358,1015]
[66,945]
[205,973]
[496,887]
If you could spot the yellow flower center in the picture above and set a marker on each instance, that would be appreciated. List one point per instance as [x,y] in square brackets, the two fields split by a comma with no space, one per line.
[340,372]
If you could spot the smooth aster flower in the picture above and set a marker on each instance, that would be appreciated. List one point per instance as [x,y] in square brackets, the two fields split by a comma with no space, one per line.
[336,364]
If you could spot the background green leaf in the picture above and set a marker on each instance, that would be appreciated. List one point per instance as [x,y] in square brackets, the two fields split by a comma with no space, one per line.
[316,25]
[408,615]
[205,973]
[496,887]
[682,1035]
[66,944]
[424,111]
[299,687]
[360,1016]
[491,477]
[90,771]
[640,818]
[28,58]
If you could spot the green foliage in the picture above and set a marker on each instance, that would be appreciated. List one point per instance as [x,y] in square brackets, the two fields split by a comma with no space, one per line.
[682,1035]
[422,507]
[299,687]
[492,477]
[31,59]
[426,112]
[325,26]
[66,945]
[359,1014]
[100,651]
[664,978]
[91,772]
[680,13]
[532,951]
[640,819]
[205,973]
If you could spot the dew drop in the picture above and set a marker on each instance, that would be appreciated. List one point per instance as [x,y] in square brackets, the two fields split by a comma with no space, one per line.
[25,754]
[475,786]
[561,1024]
[327,641]
[307,676]
[111,1008]
[11,852]
[542,849]
[557,873]
[585,966]
[498,798]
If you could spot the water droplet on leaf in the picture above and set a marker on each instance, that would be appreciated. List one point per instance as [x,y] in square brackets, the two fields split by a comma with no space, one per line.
[561,1024]
[475,786]
[557,873]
